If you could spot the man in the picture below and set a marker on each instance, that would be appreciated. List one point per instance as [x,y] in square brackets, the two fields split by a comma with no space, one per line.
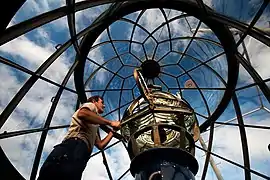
[68,160]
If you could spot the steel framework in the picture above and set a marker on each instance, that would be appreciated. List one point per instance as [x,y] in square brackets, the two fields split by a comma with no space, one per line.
[218,23]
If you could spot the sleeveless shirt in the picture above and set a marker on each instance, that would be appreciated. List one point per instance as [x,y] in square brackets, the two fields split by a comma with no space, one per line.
[83,130]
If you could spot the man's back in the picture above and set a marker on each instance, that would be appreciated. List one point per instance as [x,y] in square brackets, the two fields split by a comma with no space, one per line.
[83,130]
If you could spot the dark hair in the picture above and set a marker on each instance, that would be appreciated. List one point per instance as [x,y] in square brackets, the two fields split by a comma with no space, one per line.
[94,98]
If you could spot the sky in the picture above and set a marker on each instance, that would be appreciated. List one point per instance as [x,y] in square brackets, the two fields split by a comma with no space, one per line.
[33,48]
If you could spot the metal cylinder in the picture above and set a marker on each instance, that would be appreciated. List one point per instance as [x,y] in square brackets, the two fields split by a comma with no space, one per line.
[164,163]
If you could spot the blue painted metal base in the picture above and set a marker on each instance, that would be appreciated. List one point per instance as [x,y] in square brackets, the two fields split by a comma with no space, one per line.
[164,164]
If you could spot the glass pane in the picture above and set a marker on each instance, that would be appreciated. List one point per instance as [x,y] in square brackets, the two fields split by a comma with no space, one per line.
[169,80]
[257,141]
[21,151]
[241,10]
[64,109]
[220,65]
[35,47]
[248,99]
[213,98]
[170,59]
[100,79]
[150,46]
[111,101]
[124,26]
[133,16]
[126,71]
[172,13]
[14,80]
[113,65]
[71,83]
[32,8]
[129,82]
[229,114]
[115,83]
[183,27]
[137,50]
[227,143]
[244,77]
[65,61]
[200,154]
[162,34]
[200,50]
[126,97]
[179,44]
[32,111]
[205,77]
[99,172]
[173,70]
[129,59]
[151,19]
[139,34]
[226,168]
[161,50]
[85,18]
[194,98]
[189,62]
[114,155]
[258,53]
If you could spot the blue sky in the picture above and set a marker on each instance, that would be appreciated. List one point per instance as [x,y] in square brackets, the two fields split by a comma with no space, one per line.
[32,49]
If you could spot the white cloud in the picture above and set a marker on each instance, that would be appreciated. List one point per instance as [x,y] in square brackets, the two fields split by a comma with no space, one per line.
[41,6]
[208,2]
[8,87]
[255,4]
[118,159]
[257,51]
[118,162]
[31,112]
[95,169]
[259,54]
[37,102]
[97,55]
[33,8]
[227,143]
[34,107]
[21,152]
[26,49]
[101,76]
[32,54]
[86,17]
[153,18]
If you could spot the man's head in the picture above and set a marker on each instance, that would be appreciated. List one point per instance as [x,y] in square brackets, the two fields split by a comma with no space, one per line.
[99,103]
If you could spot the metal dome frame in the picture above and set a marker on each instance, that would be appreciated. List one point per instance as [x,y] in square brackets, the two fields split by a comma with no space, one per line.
[116,11]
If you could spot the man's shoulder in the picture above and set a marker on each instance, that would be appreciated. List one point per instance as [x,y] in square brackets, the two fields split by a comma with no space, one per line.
[90,106]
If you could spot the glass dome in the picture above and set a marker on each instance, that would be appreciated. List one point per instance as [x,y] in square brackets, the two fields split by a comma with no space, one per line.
[211,53]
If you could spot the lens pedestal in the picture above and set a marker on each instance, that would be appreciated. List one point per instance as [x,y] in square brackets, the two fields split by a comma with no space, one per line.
[164,164]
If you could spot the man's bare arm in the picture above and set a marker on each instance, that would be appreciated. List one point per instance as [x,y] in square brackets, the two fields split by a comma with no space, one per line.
[101,144]
[92,117]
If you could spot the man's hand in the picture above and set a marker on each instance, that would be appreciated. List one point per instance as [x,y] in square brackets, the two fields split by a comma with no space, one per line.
[115,125]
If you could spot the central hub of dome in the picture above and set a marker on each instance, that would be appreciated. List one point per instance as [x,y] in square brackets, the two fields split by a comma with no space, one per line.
[150,69]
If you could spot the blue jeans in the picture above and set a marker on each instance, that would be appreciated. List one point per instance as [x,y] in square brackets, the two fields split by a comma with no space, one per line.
[67,161]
